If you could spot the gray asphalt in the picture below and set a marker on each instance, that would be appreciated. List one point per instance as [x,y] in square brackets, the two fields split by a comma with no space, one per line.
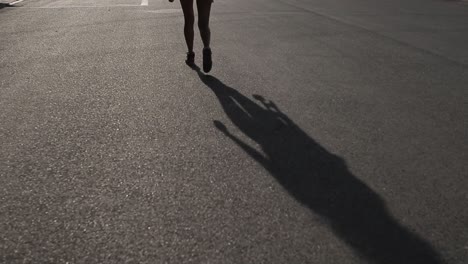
[329,131]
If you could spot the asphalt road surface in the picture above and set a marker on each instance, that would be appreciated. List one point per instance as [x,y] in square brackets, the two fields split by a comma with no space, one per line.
[329,131]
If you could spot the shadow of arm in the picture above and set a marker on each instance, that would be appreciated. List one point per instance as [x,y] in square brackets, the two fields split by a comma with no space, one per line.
[248,149]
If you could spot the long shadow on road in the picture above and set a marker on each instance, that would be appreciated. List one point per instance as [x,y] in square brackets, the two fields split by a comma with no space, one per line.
[319,179]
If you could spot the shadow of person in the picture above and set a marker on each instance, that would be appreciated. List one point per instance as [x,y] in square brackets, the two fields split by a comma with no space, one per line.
[319,179]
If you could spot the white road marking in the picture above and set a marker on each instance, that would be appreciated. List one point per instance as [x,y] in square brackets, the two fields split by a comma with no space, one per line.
[165,11]
[71,6]
[144,2]
[16,2]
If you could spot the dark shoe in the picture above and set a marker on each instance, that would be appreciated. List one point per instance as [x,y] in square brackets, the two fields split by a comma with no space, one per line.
[190,61]
[207,63]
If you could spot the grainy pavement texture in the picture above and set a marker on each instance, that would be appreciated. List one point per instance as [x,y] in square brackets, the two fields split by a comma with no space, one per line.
[328,131]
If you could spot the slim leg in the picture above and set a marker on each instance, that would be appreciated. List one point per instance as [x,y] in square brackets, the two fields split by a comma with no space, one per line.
[204,9]
[189,19]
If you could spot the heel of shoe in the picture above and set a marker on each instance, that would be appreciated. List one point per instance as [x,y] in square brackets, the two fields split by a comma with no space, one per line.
[190,61]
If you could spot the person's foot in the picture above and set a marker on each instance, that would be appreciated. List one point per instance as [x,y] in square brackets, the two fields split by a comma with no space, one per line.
[207,62]
[190,61]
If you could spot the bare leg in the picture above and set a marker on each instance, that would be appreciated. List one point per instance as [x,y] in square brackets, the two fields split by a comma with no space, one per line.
[189,18]
[204,8]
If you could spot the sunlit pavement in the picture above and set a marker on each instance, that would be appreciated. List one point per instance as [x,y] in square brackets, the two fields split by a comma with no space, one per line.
[328,131]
